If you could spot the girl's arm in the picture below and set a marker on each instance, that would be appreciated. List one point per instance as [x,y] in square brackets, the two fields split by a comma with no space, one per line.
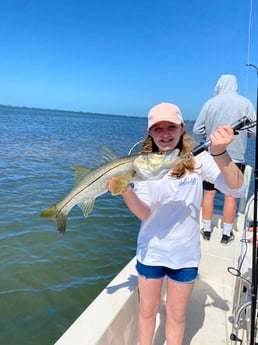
[133,202]
[220,139]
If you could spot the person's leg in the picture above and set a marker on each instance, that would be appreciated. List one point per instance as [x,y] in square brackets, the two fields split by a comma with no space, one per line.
[207,212]
[208,204]
[229,210]
[178,295]
[229,213]
[150,295]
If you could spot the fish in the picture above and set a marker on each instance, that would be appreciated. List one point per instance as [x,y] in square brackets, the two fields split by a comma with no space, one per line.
[91,183]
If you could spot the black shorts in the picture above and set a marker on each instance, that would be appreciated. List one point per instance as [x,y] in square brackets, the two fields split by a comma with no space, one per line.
[210,186]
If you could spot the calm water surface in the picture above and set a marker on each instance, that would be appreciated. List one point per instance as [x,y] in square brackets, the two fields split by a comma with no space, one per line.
[48,279]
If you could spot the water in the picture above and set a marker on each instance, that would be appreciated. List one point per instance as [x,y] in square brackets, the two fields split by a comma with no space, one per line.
[48,279]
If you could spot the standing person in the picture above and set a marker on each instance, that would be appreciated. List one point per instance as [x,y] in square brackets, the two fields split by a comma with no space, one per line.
[169,239]
[225,108]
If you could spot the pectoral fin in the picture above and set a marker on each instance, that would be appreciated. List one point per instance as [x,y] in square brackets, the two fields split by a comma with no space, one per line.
[119,183]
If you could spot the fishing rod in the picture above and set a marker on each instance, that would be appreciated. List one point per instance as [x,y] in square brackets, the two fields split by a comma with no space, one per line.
[240,124]
[253,330]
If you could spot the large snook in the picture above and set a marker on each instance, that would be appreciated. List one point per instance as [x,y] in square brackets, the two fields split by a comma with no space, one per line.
[92,183]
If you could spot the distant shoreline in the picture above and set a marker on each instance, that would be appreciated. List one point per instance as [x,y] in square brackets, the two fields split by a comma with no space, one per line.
[49,109]
[16,107]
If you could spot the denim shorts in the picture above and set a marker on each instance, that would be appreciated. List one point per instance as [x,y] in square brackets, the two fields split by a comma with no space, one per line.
[181,275]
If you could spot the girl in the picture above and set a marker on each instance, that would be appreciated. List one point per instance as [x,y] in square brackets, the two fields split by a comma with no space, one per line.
[169,239]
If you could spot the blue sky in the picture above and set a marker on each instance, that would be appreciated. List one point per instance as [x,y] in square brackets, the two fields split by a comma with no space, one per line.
[122,57]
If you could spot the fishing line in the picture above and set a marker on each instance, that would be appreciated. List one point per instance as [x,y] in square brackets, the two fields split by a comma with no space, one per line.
[249,31]
[134,146]
[248,45]
[236,273]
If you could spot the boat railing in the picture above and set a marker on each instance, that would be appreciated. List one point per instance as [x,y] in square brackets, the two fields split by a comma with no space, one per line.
[242,301]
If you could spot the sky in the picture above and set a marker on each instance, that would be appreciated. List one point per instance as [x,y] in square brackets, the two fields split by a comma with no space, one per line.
[121,57]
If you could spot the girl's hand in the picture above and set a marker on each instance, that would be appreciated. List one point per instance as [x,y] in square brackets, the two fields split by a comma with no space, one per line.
[118,185]
[220,139]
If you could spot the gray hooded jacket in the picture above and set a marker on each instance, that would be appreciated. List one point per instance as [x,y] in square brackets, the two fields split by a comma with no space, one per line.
[225,108]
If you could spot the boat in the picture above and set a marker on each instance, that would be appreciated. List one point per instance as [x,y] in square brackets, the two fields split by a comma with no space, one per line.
[220,308]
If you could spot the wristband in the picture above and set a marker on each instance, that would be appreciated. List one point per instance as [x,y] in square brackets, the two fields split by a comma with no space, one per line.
[219,154]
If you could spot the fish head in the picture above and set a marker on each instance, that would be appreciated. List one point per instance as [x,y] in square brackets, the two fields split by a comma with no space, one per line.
[153,166]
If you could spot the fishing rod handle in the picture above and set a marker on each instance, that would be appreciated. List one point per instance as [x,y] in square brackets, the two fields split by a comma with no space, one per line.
[244,121]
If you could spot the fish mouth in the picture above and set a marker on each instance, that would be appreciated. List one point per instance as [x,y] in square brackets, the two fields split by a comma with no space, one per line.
[156,165]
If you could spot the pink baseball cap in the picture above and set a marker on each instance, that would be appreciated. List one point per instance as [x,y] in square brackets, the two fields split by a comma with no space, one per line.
[164,112]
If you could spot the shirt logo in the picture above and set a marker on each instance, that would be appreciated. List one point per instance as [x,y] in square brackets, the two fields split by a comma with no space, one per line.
[187,180]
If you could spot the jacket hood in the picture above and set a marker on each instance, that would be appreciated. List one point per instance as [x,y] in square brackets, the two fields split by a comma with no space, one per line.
[226,83]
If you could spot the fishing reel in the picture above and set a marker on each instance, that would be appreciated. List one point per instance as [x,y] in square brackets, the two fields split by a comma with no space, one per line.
[239,125]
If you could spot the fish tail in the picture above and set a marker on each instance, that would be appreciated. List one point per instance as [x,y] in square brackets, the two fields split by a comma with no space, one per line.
[58,216]
[51,212]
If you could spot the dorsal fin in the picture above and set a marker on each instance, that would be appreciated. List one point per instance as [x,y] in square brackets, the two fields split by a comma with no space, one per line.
[80,172]
[108,154]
